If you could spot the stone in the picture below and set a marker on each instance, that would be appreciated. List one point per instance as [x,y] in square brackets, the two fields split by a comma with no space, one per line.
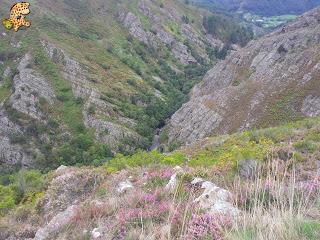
[311,106]
[29,86]
[216,200]
[224,208]
[95,234]
[61,220]
[61,168]
[197,181]
[172,183]
[124,186]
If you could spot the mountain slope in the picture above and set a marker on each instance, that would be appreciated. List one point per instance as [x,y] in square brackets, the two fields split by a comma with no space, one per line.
[273,79]
[93,76]
[224,186]
[262,7]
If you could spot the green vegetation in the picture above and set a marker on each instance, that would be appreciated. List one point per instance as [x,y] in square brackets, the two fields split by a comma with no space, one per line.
[305,146]
[227,30]
[309,229]
[68,109]
[254,144]
[24,187]
[143,159]
[7,200]
[268,22]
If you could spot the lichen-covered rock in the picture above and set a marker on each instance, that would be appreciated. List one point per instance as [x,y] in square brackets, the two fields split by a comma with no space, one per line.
[311,106]
[124,186]
[68,187]
[216,200]
[11,155]
[29,87]
[61,220]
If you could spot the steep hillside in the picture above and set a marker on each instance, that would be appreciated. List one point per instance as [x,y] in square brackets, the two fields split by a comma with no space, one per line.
[91,77]
[257,185]
[272,80]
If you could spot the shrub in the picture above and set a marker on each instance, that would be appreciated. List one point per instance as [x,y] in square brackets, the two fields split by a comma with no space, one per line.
[26,184]
[7,199]
[91,110]
[206,226]
[18,138]
[305,146]
[282,49]
[174,159]
[309,229]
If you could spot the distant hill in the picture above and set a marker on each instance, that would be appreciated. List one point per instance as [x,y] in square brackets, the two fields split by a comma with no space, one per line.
[262,7]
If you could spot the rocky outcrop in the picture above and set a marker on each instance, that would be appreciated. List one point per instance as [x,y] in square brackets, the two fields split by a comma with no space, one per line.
[271,77]
[160,35]
[215,200]
[29,87]
[134,26]
[54,226]
[311,106]
[108,132]
[68,187]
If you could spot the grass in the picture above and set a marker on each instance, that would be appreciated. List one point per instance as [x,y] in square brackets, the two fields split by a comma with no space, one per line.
[278,203]
[68,108]
[5,89]
[310,229]
[273,206]
[278,209]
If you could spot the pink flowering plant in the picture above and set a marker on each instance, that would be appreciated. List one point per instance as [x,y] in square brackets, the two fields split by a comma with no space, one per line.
[146,206]
[206,226]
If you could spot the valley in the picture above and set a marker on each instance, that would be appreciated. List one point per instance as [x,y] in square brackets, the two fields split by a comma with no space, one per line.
[161,120]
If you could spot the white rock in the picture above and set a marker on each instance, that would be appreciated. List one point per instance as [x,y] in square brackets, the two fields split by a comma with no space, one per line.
[224,208]
[124,186]
[197,180]
[208,185]
[172,183]
[177,169]
[211,196]
[216,200]
[95,233]
[61,168]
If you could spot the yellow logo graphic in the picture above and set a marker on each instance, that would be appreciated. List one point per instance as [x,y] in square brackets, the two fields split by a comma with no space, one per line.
[17,17]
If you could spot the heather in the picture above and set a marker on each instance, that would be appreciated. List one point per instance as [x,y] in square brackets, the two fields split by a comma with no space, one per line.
[268,180]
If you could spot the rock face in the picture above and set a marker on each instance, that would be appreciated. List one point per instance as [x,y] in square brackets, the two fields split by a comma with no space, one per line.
[29,88]
[311,106]
[108,132]
[69,187]
[272,79]
[159,34]
[10,154]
